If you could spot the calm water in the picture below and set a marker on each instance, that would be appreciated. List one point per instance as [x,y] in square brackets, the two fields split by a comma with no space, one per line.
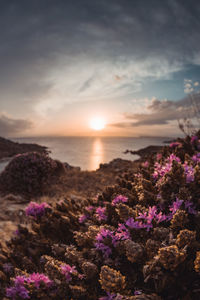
[89,152]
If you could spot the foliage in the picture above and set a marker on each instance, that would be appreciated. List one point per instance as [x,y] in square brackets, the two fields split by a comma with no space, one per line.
[27,173]
[139,240]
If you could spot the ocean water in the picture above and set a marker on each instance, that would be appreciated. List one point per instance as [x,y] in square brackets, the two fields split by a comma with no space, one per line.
[89,152]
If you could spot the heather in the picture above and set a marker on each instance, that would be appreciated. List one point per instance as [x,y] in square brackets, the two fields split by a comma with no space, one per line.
[28,173]
[138,239]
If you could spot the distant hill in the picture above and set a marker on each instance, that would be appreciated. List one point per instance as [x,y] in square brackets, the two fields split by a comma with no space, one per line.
[9,148]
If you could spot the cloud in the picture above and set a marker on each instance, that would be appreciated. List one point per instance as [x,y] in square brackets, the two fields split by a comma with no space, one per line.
[72,51]
[11,127]
[162,112]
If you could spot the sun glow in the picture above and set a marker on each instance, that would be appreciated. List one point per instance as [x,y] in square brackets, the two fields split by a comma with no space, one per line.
[97,123]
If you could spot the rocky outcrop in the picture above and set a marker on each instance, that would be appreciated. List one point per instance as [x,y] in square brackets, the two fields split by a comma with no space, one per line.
[9,148]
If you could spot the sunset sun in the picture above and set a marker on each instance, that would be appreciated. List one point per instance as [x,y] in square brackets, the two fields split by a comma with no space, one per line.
[97,123]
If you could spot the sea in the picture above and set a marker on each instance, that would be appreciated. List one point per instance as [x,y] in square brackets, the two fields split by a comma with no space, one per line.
[88,152]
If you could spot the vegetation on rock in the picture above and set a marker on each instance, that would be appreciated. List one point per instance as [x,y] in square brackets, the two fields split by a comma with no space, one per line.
[139,239]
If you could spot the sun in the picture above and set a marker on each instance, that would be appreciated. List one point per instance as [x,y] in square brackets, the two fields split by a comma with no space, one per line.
[97,123]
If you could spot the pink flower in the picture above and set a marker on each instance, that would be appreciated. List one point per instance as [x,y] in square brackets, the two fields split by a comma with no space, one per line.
[36,210]
[82,218]
[100,213]
[67,270]
[145,164]
[119,199]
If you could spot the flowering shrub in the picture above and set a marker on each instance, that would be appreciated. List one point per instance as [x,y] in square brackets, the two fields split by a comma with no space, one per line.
[139,240]
[36,210]
[27,173]
[24,285]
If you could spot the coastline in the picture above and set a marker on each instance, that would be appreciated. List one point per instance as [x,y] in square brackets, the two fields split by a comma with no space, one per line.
[75,184]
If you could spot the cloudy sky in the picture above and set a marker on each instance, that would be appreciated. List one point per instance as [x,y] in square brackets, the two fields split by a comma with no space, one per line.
[63,62]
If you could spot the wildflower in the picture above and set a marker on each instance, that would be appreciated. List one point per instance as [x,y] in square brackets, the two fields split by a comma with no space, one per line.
[196,158]
[82,218]
[67,270]
[36,210]
[15,291]
[37,278]
[194,138]
[89,208]
[134,224]
[190,207]
[175,206]
[145,164]
[137,292]
[122,233]
[19,290]
[108,235]
[174,144]
[119,199]
[189,172]
[161,217]
[158,156]
[100,213]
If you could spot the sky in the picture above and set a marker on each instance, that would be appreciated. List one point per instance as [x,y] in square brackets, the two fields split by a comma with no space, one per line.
[134,63]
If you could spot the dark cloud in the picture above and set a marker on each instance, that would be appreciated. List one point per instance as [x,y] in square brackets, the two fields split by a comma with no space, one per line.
[10,126]
[161,112]
[33,34]
[137,39]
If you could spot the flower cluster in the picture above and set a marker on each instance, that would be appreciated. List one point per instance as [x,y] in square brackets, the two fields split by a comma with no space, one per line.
[67,270]
[160,169]
[100,213]
[147,219]
[108,236]
[22,284]
[119,199]
[36,210]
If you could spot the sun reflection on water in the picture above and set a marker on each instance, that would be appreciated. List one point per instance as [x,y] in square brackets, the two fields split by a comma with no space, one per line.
[97,154]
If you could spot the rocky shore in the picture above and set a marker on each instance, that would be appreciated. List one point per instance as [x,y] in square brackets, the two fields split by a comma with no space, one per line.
[8,148]
[74,184]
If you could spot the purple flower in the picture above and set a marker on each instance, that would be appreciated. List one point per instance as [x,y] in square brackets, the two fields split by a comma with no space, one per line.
[119,199]
[196,158]
[67,270]
[89,208]
[100,213]
[174,144]
[122,233]
[158,156]
[161,217]
[189,172]
[137,292]
[106,250]
[194,138]
[82,218]
[147,218]
[190,207]
[36,210]
[173,157]
[19,290]
[134,224]
[109,236]
[37,278]
[175,206]
[145,164]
